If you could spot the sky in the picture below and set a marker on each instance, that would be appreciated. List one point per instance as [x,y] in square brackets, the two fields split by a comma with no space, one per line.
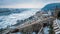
[25,3]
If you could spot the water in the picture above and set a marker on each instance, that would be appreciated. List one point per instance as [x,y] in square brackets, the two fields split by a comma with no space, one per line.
[46,30]
[22,33]
[8,20]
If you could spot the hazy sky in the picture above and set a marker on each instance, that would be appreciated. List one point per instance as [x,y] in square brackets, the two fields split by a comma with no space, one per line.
[25,3]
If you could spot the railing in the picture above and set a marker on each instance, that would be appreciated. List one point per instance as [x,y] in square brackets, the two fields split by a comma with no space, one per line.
[40,31]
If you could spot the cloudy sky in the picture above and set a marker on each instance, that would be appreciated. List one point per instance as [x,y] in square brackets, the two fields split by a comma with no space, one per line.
[25,3]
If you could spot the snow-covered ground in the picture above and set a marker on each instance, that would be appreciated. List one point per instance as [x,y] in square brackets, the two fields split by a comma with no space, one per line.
[12,18]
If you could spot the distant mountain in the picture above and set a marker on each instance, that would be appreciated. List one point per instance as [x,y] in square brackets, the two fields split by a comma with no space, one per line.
[51,6]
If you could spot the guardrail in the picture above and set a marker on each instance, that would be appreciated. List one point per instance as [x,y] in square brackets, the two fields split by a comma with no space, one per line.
[40,31]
